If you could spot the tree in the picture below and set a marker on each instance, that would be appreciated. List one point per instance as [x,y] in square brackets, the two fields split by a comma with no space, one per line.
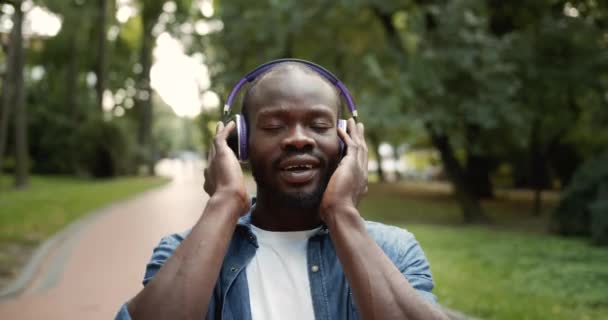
[456,71]
[150,13]
[100,66]
[18,100]
[7,94]
[546,38]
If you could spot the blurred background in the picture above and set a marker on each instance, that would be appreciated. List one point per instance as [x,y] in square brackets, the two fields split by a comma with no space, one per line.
[487,123]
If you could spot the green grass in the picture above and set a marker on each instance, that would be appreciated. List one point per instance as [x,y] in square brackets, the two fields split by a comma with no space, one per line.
[50,203]
[495,272]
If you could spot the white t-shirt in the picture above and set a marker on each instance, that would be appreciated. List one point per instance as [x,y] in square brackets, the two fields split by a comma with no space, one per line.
[277,276]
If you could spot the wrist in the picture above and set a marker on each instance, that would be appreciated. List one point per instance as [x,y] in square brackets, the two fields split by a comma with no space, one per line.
[238,200]
[341,214]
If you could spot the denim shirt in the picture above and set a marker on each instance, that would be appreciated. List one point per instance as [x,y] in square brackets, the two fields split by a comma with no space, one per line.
[331,295]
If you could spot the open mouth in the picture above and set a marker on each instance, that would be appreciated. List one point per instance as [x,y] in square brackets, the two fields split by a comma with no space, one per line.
[298,167]
[298,170]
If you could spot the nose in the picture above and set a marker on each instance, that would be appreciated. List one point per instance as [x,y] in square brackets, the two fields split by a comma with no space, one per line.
[297,139]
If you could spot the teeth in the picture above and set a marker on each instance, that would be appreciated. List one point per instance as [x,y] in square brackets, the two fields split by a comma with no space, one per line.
[306,166]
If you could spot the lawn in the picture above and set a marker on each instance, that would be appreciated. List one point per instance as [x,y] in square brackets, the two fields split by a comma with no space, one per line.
[51,203]
[508,270]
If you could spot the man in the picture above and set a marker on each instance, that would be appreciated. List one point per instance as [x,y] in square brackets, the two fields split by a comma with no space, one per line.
[302,251]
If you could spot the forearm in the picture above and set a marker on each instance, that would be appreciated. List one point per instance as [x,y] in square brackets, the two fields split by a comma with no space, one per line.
[379,288]
[182,289]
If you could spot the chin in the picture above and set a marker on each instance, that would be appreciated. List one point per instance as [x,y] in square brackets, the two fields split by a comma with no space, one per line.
[300,200]
[294,198]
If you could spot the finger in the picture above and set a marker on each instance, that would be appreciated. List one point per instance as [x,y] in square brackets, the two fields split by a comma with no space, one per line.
[361,129]
[219,127]
[211,153]
[346,138]
[222,135]
[361,140]
[350,126]
[357,134]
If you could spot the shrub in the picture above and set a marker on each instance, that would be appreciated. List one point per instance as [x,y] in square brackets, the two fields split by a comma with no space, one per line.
[583,208]
[105,149]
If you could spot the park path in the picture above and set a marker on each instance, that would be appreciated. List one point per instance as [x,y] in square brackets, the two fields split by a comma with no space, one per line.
[101,265]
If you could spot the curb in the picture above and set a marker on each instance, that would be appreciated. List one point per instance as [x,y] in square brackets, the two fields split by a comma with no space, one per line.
[60,246]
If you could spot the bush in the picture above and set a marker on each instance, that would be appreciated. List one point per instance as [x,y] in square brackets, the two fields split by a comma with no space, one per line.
[93,147]
[53,143]
[599,217]
[583,208]
[105,149]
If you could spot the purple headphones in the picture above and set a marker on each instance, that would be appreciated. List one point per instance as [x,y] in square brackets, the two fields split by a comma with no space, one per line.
[238,141]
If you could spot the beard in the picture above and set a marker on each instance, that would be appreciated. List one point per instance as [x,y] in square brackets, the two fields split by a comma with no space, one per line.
[296,200]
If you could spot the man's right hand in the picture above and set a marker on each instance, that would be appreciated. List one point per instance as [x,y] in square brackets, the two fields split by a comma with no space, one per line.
[223,173]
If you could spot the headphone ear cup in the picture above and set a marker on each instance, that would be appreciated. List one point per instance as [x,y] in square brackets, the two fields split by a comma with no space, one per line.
[342,125]
[241,130]
[233,140]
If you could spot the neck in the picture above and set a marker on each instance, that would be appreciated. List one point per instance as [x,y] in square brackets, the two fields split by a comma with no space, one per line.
[273,216]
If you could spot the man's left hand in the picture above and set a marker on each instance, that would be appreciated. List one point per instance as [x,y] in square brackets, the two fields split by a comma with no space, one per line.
[348,184]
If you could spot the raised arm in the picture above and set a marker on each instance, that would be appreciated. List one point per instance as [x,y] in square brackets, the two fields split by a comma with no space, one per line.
[181,289]
[380,290]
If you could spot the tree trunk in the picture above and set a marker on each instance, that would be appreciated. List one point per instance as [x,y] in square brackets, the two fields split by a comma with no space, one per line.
[144,98]
[478,171]
[7,94]
[21,145]
[100,67]
[397,159]
[471,209]
[375,141]
[537,168]
[478,166]
[71,78]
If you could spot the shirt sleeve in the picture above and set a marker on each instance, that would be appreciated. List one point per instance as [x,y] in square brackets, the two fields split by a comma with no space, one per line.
[160,254]
[123,313]
[404,250]
[415,267]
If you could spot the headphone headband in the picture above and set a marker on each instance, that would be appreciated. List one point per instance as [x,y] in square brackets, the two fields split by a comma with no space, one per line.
[252,75]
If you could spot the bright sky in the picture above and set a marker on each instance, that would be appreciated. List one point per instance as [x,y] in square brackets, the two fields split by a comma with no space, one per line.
[180,80]
[38,22]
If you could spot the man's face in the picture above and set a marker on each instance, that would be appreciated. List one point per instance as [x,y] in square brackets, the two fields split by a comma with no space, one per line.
[293,141]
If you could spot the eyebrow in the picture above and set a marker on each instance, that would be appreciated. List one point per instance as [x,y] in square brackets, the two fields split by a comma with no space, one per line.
[316,110]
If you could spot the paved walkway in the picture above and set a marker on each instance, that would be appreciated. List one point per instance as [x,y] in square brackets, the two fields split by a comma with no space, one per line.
[100,266]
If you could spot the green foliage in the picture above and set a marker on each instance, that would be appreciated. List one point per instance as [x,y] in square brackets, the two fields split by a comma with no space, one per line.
[106,150]
[583,209]
[599,216]
[94,147]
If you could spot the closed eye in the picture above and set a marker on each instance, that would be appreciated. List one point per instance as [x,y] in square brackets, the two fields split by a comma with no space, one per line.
[321,127]
[272,128]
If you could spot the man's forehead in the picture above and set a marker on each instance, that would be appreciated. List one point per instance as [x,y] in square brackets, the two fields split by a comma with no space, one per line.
[293,84]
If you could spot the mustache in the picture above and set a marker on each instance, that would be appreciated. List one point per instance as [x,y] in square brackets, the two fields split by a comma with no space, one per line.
[291,153]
